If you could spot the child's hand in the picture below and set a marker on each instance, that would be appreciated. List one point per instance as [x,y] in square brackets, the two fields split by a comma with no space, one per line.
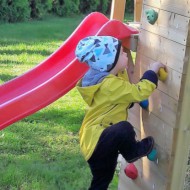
[156,66]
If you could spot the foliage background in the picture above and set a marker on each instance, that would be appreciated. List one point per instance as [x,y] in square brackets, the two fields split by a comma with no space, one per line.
[22,10]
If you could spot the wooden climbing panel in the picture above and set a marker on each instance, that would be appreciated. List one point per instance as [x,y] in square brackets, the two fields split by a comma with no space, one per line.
[167,118]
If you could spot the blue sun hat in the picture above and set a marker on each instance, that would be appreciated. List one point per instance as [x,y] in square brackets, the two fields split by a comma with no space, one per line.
[99,52]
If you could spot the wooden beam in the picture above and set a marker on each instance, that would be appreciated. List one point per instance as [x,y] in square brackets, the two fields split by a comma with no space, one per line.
[137,10]
[118,10]
[182,139]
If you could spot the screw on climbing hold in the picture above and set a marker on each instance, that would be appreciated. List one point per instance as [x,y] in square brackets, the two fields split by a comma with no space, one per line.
[152,156]
[162,74]
[144,104]
[151,15]
[131,171]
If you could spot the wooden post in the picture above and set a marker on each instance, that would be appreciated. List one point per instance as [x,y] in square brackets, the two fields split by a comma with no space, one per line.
[137,10]
[167,117]
[118,10]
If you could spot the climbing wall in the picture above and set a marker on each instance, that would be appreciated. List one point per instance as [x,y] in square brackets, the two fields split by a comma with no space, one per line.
[168,116]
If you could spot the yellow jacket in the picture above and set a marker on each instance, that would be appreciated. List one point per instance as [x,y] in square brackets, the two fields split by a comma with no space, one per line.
[108,103]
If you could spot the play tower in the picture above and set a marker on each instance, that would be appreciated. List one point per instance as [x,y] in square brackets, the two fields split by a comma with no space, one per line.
[167,118]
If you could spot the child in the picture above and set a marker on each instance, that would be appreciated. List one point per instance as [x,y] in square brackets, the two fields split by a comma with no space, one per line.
[106,89]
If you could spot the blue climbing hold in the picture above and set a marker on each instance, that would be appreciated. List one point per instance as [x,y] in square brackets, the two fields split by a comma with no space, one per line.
[144,104]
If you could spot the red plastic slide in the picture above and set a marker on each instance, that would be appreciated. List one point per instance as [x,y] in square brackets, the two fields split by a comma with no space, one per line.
[57,75]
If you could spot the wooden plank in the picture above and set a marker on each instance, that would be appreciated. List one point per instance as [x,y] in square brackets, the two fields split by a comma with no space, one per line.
[150,173]
[181,158]
[163,135]
[169,25]
[181,7]
[149,177]
[164,107]
[118,10]
[134,116]
[162,140]
[170,53]
[161,105]
[153,179]
[127,183]
[162,162]
[172,85]
[158,129]
[137,10]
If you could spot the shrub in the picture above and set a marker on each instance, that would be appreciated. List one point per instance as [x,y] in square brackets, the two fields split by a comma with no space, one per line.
[3,10]
[14,11]
[129,7]
[87,6]
[20,10]
[40,8]
[65,7]
[104,6]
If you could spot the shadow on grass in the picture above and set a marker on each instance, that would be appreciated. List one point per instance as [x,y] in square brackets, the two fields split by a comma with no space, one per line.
[16,51]
[19,52]
[5,77]
[10,62]
[69,119]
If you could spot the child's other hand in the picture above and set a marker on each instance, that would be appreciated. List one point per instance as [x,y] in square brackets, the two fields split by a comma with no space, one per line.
[156,66]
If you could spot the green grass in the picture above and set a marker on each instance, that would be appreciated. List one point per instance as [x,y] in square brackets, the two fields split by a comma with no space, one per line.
[41,152]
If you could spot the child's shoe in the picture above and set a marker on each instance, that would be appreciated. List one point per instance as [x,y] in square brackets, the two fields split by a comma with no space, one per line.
[144,147]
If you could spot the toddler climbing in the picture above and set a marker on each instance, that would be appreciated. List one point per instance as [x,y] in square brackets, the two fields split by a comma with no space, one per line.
[105,131]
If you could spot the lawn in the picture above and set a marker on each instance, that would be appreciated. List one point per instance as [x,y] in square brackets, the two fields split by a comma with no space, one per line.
[41,152]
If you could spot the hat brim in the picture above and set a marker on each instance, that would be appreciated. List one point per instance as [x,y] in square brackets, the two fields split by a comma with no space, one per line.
[116,56]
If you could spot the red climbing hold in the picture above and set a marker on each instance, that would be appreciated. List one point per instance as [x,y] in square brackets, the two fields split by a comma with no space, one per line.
[131,171]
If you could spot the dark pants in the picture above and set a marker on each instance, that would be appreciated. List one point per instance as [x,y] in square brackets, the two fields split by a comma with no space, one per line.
[118,138]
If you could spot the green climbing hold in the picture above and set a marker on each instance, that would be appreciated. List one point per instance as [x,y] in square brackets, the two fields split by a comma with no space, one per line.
[151,15]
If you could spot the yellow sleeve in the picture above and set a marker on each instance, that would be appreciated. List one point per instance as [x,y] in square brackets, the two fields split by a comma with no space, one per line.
[123,74]
[121,91]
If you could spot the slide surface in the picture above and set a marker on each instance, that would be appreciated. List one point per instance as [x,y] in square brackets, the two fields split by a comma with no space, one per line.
[56,75]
